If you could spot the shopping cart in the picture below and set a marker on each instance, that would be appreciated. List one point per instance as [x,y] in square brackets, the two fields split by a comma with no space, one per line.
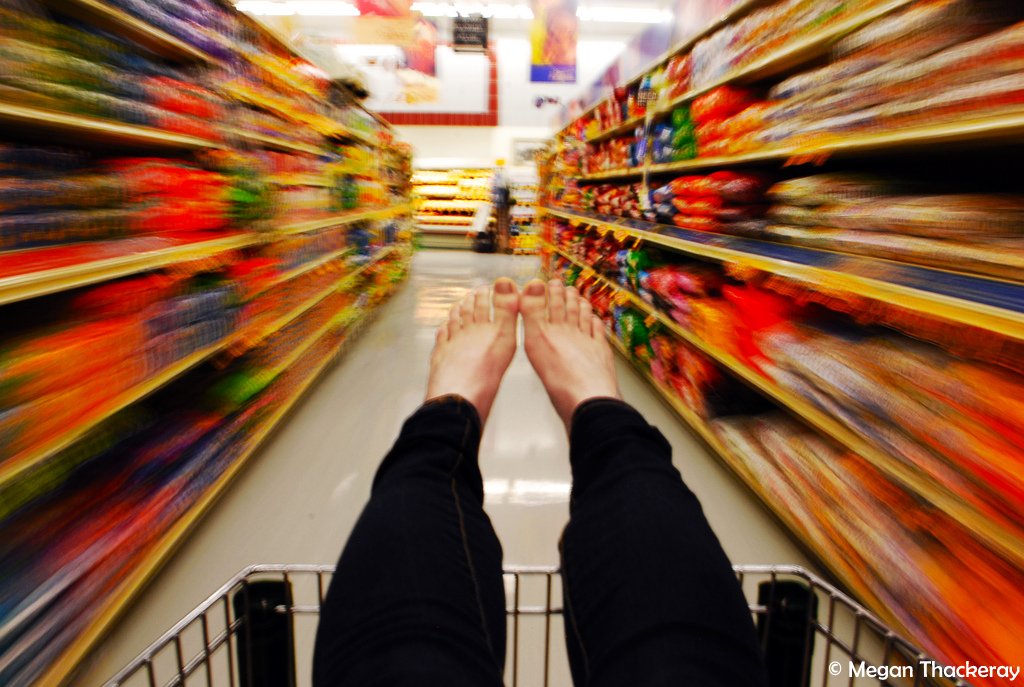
[258,630]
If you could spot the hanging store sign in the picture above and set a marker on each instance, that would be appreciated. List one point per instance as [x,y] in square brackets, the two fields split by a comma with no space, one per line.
[553,37]
[469,34]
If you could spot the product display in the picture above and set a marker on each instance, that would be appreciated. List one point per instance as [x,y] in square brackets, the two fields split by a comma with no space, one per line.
[449,204]
[523,229]
[165,307]
[877,300]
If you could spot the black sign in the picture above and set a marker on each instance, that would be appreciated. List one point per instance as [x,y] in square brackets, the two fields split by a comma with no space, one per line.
[469,34]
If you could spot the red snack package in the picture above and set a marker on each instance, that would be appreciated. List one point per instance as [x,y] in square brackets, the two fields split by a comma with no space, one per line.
[695,223]
[720,103]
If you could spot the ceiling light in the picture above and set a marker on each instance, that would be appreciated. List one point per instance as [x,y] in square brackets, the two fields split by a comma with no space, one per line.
[630,15]
[305,8]
[494,10]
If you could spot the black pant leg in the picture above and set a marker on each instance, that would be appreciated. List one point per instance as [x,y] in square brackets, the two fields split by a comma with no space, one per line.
[418,598]
[650,595]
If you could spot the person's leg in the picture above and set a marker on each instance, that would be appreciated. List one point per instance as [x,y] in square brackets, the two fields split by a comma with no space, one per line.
[418,598]
[650,596]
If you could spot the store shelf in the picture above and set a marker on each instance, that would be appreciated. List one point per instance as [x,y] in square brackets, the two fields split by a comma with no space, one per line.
[1006,127]
[767,155]
[799,52]
[346,133]
[18,464]
[275,143]
[43,282]
[991,304]
[443,229]
[849,577]
[302,180]
[948,501]
[624,128]
[121,23]
[738,10]
[614,174]
[111,607]
[345,218]
[306,267]
[94,130]
[443,220]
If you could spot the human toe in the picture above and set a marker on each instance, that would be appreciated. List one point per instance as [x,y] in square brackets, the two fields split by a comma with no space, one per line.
[572,305]
[505,297]
[533,303]
[467,308]
[556,301]
[482,305]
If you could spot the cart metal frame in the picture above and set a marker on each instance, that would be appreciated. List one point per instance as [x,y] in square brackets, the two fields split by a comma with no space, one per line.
[205,647]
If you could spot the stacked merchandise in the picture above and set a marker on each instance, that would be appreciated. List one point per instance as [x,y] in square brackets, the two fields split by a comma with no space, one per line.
[676,139]
[115,495]
[615,154]
[396,170]
[626,108]
[938,61]
[877,301]
[949,420]
[449,204]
[723,201]
[886,218]
[55,66]
[523,213]
[728,121]
[172,280]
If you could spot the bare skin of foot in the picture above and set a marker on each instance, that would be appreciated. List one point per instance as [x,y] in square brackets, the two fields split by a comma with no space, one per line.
[473,349]
[565,342]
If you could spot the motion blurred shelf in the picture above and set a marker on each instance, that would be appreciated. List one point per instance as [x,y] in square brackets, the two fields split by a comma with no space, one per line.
[1007,127]
[928,490]
[992,304]
[345,218]
[117,603]
[275,143]
[799,52]
[623,128]
[700,428]
[123,24]
[290,101]
[44,282]
[17,465]
[92,130]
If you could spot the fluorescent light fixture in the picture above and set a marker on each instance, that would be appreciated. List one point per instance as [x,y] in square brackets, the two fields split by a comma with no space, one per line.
[630,15]
[305,8]
[493,10]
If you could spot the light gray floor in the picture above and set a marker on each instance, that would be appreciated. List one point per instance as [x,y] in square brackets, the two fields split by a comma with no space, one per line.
[298,500]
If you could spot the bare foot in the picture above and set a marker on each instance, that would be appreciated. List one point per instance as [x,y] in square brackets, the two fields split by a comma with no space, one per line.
[473,350]
[565,342]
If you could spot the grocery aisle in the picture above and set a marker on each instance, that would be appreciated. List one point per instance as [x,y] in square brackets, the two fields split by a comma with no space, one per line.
[297,501]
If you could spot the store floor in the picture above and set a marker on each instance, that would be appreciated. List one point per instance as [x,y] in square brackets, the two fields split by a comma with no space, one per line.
[299,498]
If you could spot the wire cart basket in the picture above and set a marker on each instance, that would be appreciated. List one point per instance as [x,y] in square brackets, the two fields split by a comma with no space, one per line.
[258,630]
